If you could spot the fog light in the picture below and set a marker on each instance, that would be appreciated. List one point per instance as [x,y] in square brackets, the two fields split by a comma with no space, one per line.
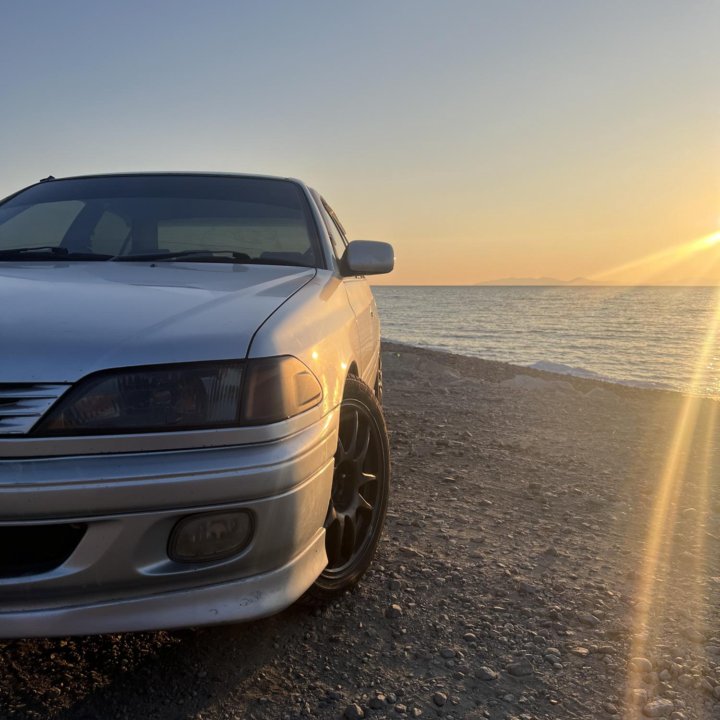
[211,536]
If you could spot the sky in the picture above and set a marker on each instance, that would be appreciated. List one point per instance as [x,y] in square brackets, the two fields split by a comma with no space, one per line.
[485,140]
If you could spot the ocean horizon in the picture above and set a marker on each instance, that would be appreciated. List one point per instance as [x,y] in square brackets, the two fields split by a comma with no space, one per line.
[647,336]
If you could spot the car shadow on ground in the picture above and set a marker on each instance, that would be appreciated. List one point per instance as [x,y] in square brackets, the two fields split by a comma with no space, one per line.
[150,675]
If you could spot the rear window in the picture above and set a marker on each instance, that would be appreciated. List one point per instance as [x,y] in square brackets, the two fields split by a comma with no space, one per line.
[128,215]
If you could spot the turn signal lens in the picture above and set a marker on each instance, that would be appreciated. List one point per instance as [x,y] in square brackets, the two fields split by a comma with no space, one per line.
[211,536]
[278,388]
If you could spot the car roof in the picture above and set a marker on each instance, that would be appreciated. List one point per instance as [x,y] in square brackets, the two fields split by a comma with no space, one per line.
[160,173]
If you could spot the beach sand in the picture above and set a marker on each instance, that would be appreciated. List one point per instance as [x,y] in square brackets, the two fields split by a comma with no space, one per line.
[543,531]
[577,518]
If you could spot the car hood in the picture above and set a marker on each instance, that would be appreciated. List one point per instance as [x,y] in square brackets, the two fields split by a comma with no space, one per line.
[61,321]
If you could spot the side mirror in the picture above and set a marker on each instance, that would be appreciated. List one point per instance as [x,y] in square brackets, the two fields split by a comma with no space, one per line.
[367,257]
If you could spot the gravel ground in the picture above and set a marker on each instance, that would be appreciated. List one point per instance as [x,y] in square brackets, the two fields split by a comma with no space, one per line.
[509,583]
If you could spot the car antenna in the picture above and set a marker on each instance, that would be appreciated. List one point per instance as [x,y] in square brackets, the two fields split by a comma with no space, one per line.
[49,178]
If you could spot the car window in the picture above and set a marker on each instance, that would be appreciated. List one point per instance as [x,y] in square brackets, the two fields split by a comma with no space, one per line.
[265,219]
[37,225]
[340,228]
[335,229]
[252,235]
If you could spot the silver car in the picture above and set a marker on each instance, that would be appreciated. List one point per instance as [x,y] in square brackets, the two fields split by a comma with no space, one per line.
[190,385]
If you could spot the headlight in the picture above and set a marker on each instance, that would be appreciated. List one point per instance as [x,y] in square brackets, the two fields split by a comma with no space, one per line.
[167,398]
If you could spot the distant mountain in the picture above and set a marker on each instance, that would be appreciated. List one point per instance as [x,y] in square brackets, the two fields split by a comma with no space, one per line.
[538,281]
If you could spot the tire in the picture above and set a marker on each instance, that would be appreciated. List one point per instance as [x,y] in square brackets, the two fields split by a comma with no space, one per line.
[361,485]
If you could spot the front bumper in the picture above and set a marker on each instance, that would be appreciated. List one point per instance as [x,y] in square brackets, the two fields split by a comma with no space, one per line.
[119,576]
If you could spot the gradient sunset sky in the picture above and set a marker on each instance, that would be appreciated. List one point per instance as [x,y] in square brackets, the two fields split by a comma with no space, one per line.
[484,139]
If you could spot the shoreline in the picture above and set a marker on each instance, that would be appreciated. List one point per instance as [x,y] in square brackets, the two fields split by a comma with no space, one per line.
[550,375]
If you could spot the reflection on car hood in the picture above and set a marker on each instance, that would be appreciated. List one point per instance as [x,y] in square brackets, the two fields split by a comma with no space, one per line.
[60,321]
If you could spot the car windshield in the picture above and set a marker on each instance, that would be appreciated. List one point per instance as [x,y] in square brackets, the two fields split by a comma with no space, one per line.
[236,218]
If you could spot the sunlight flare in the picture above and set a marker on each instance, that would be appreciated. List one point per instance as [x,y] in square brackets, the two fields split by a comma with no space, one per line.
[659,545]
[643,270]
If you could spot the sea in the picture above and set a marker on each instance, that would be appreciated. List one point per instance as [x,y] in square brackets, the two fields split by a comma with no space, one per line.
[662,337]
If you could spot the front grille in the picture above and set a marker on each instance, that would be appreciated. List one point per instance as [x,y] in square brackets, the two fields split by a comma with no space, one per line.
[35,549]
[23,404]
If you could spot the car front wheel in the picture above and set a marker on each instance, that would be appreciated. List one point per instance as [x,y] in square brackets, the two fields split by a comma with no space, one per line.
[360,488]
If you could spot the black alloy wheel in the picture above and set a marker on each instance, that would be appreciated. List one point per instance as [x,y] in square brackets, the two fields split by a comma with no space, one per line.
[379,382]
[360,489]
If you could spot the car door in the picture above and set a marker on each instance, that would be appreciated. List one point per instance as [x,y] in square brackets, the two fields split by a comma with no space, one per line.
[361,300]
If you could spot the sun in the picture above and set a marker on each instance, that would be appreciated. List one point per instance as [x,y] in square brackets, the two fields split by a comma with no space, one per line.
[712,239]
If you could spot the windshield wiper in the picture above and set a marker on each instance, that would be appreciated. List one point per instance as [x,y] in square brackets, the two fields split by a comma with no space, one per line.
[202,256]
[49,252]
[226,256]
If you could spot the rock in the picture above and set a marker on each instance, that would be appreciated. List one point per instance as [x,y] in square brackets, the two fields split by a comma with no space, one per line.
[470,637]
[610,708]
[527,588]
[439,698]
[706,685]
[588,619]
[393,612]
[486,673]
[660,707]
[640,665]
[638,696]
[520,668]
[400,709]
[616,632]
[447,653]
[693,635]
[354,712]
[579,651]
[378,702]
[716,692]
[411,551]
